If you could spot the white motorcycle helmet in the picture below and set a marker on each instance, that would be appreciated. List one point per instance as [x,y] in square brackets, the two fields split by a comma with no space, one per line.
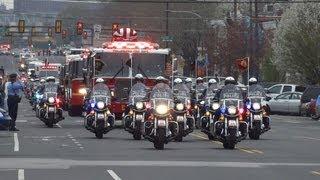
[252,81]
[99,80]
[160,79]
[230,80]
[177,81]
[188,80]
[212,81]
[50,78]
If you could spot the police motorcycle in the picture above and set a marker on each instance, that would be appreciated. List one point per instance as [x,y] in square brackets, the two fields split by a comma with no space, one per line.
[99,119]
[137,108]
[211,105]
[198,102]
[257,117]
[50,107]
[229,115]
[160,128]
[180,112]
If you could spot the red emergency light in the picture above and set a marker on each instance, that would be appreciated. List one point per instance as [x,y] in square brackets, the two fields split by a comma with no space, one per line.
[130,46]
[49,67]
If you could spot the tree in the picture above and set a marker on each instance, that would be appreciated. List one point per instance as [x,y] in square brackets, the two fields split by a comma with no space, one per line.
[297,43]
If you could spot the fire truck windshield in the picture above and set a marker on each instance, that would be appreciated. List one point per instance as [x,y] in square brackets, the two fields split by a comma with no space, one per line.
[150,65]
[48,73]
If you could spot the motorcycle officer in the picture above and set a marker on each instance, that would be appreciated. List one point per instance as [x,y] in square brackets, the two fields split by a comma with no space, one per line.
[254,82]
[188,83]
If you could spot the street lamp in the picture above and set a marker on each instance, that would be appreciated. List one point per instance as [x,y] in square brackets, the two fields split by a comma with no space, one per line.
[202,35]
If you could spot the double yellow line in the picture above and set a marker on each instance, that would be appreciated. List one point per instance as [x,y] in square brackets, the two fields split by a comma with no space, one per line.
[243,149]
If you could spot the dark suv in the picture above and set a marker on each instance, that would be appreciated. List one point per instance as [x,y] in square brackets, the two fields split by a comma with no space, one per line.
[308,100]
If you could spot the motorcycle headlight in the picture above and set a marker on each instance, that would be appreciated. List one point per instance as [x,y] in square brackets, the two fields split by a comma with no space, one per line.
[215,106]
[51,100]
[39,96]
[232,123]
[23,65]
[83,91]
[256,106]
[1,115]
[179,106]
[162,109]
[100,105]
[139,105]
[202,102]
[232,110]
[92,105]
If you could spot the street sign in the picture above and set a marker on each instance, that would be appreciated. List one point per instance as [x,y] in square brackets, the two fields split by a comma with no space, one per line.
[167,38]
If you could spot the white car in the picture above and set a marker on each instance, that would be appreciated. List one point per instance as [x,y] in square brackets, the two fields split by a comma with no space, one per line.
[278,89]
[288,102]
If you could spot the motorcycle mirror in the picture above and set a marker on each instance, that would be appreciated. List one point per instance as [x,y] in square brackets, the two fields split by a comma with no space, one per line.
[268,98]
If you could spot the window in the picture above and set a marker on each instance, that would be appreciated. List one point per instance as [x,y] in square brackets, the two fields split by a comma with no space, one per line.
[296,96]
[284,96]
[275,90]
[287,88]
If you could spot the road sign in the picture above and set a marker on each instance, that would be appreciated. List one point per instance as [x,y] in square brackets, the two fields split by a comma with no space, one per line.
[167,38]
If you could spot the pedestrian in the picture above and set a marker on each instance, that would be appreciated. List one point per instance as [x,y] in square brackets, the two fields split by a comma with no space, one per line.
[14,90]
[2,94]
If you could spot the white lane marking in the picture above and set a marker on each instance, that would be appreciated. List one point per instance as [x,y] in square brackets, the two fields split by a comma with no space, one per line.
[16,142]
[21,174]
[59,126]
[310,138]
[113,175]
[21,121]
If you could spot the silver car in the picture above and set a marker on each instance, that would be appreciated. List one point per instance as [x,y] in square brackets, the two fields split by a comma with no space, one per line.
[286,103]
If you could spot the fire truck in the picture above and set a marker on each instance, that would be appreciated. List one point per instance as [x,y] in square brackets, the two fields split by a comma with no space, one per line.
[71,81]
[117,63]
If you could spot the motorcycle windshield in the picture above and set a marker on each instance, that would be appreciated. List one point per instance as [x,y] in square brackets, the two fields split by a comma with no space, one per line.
[231,95]
[256,91]
[138,93]
[182,93]
[101,92]
[50,90]
[210,94]
[161,94]
[199,90]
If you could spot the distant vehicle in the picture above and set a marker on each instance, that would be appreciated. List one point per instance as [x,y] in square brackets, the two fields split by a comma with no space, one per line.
[288,103]
[308,100]
[316,115]
[278,89]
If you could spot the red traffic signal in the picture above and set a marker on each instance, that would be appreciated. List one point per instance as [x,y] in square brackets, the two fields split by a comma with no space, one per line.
[80,27]
[243,63]
[85,35]
[58,26]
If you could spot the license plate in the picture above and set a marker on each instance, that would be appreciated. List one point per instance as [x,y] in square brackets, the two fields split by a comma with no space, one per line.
[51,109]
[139,117]
[180,118]
[161,123]
[257,117]
[100,116]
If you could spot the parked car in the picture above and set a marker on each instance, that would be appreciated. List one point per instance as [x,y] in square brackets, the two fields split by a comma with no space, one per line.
[288,103]
[316,114]
[278,89]
[308,100]
[4,119]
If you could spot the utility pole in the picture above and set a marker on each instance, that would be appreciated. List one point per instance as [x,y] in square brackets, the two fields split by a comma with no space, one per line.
[251,33]
[255,62]
[167,22]
[235,9]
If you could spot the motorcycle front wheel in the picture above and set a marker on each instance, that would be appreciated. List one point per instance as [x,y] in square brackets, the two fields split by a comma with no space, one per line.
[160,139]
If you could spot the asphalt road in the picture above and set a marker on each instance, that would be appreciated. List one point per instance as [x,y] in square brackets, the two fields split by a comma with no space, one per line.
[68,151]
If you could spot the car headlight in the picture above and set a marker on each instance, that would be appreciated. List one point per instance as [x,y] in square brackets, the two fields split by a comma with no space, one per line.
[179,106]
[139,105]
[256,106]
[162,109]
[83,91]
[51,100]
[215,106]
[100,105]
[232,110]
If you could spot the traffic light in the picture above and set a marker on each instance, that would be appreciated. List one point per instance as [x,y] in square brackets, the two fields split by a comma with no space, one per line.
[85,35]
[242,64]
[80,27]
[49,31]
[64,34]
[21,26]
[58,26]
[33,31]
